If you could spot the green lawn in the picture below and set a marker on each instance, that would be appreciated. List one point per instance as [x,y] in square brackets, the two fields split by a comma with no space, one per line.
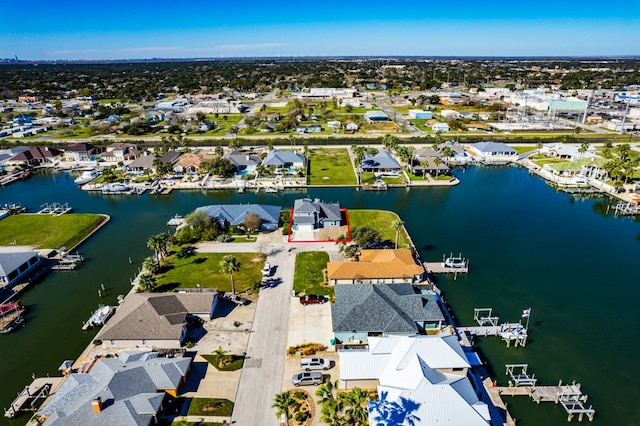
[210,407]
[330,167]
[236,362]
[380,220]
[46,231]
[368,177]
[204,269]
[521,149]
[309,276]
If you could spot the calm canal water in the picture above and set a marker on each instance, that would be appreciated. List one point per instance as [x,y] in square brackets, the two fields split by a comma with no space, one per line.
[529,246]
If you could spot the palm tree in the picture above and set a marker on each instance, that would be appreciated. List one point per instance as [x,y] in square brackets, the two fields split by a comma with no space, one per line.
[389,142]
[397,224]
[331,412]
[219,355]
[584,147]
[448,153]
[151,265]
[327,391]
[229,264]
[357,401]
[436,162]
[283,403]
[147,282]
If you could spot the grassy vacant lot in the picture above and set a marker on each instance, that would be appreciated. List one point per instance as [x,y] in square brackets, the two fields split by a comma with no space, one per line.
[46,231]
[309,275]
[521,149]
[380,220]
[330,167]
[210,407]
[204,269]
[370,178]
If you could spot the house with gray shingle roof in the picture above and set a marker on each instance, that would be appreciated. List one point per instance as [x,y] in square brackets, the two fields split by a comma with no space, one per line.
[280,159]
[15,266]
[127,390]
[150,320]
[363,310]
[234,214]
[381,162]
[242,161]
[312,214]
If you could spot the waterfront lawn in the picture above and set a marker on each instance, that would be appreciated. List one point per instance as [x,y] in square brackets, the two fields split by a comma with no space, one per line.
[380,220]
[521,149]
[370,178]
[204,269]
[330,167]
[309,277]
[210,407]
[47,231]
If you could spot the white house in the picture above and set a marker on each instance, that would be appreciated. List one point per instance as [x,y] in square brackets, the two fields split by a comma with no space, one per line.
[15,266]
[493,152]
[427,371]
[440,127]
[420,114]
[571,152]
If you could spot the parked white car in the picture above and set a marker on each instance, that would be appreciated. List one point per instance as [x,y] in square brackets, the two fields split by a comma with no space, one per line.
[309,364]
[266,269]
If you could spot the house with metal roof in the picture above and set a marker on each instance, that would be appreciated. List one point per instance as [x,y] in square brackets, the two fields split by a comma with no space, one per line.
[375,116]
[234,214]
[312,214]
[365,310]
[156,320]
[566,151]
[377,266]
[280,159]
[421,377]
[491,152]
[15,266]
[383,161]
[127,390]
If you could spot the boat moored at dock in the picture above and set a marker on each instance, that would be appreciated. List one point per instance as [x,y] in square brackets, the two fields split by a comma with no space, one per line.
[87,176]
[99,317]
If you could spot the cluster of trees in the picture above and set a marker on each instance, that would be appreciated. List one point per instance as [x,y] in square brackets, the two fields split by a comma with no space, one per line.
[622,168]
[344,407]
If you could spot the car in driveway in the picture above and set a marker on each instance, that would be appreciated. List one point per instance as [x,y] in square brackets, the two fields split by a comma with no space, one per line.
[310,299]
[266,269]
[308,378]
[309,364]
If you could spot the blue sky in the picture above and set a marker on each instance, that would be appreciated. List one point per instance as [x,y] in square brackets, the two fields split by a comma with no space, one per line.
[117,29]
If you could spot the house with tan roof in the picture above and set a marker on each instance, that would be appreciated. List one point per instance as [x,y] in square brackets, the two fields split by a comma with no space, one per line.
[377,267]
[188,163]
[150,320]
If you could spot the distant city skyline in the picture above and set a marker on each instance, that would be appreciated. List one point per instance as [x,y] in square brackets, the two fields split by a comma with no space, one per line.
[161,29]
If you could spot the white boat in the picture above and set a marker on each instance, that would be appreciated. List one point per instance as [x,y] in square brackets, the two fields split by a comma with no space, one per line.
[87,176]
[455,262]
[99,317]
[115,188]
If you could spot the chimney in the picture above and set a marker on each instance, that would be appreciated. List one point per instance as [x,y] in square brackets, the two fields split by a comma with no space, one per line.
[97,405]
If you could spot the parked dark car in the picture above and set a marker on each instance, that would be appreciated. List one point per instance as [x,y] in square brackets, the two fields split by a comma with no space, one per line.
[311,298]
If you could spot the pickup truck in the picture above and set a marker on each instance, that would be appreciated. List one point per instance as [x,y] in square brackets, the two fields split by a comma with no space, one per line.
[311,298]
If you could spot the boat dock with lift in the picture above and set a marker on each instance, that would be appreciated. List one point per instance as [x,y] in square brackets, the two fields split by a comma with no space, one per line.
[55,209]
[449,265]
[570,396]
[99,317]
[628,209]
[488,325]
[39,389]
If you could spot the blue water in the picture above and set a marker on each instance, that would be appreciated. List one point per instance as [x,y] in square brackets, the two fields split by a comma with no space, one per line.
[567,258]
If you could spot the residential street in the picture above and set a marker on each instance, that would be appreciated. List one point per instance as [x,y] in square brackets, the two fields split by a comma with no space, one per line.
[262,375]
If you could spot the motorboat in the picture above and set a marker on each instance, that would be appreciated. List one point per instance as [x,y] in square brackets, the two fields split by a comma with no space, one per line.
[115,188]
[87,176]
[455,262]
[99,317]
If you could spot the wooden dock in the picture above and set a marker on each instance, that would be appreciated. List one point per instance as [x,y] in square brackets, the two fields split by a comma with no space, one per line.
[486,330]
[39,389]
[439,268]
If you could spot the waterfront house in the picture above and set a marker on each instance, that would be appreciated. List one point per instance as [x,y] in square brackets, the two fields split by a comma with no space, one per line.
[492,152]
[16,266]
[421,372]
[566,151]
[366,310]
[424,162]
[143,164]
[377,266]
[120,152]
[283,159]
[188,163]
[234,214]
[156,320]
[130,389]
[242,161]
[312,214]
[35,156]
[81,152]
[383,161]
